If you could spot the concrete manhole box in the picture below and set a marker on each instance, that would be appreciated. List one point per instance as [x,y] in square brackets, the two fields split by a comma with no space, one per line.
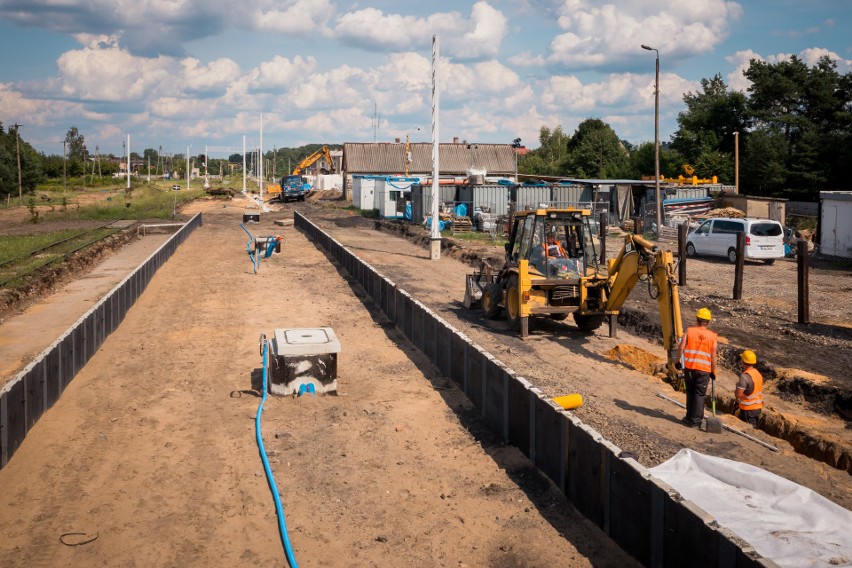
[304,357]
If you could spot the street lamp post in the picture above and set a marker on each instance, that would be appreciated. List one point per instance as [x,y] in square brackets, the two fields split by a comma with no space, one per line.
[657,140]
[737,162]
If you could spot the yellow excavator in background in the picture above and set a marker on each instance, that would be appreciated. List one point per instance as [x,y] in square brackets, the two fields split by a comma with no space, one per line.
[310,160]
[552,269]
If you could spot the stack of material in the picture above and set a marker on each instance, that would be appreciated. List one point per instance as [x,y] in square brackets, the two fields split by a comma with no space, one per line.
[726,212]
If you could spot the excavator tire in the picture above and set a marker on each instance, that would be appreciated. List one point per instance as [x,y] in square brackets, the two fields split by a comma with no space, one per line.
[513,308]
[490,301]
[588,323]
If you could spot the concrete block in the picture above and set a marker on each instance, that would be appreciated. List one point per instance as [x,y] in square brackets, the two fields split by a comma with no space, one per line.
[688,540]
[475,370]
[418,326]
[550,440]
[519,414]
[458,366]
[585,486]
[34,382]
[630,509]
[443,358]
[53,375]
[16,417]
[251,216]
[494,400]
[430,325]
[304,357]
[66,364]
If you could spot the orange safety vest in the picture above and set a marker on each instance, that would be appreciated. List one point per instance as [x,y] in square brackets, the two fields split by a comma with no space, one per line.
[555,250]
[754,401]
[698,350]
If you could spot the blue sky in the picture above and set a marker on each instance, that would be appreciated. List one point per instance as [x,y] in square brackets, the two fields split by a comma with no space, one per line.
[175,72]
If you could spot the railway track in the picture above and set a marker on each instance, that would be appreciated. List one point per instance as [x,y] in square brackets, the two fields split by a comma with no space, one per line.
[19,267]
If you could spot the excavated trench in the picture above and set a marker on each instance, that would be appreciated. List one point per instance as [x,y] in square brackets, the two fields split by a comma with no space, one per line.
[790,385]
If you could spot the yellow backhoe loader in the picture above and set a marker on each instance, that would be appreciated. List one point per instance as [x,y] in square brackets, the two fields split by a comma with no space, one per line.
[310,160]
[551,269]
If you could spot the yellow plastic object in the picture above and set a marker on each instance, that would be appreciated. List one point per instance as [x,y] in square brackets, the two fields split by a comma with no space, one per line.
[748,357]
[704,314]
[570,401]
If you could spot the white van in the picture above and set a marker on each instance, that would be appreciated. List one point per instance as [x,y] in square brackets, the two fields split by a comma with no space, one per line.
[764,239]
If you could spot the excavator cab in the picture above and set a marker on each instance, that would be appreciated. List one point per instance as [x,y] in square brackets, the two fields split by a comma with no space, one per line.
[557,243]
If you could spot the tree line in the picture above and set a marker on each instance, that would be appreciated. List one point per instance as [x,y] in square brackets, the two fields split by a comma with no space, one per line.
[794,128]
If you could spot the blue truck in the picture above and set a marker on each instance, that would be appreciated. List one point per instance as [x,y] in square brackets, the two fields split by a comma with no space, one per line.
[294,188]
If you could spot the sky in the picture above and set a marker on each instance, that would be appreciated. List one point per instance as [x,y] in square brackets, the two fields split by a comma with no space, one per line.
[175,73]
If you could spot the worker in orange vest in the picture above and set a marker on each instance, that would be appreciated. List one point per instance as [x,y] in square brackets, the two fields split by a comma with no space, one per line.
[697,350]
[749,391]
[554,248]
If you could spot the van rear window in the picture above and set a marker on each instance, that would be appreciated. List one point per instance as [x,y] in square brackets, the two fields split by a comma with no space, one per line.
[765,229]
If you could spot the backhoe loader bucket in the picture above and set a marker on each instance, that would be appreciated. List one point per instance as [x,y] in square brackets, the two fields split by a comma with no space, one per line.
[475,285]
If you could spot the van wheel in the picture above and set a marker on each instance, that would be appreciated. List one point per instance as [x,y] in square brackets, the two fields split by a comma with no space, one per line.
[769,261]
[690,249]
[732,255]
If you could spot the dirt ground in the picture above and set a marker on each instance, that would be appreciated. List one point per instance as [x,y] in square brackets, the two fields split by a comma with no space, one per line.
[151,448]
[620,401]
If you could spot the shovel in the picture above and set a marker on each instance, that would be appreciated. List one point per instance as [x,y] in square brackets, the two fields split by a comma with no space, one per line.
[714,424]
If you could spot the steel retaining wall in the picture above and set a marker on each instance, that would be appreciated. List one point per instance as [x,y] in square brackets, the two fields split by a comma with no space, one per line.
[643,515]
[40,384]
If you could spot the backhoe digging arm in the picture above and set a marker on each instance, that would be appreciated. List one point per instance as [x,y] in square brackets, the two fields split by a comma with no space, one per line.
[642,259]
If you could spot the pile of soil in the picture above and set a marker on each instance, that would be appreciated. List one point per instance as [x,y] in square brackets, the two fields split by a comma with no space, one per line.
[637,358]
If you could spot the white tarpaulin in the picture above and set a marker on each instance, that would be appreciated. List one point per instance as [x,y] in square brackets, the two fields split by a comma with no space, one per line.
[782,520]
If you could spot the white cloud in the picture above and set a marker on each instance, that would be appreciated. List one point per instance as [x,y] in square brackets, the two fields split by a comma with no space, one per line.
[810,56]
[294,17]
[597,35]
[281,72]
[473,38]
[110,74]
[216,75]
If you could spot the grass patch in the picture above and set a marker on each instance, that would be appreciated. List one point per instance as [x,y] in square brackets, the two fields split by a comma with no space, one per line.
[17,251]
[483,238]
[143,203]
[367,213]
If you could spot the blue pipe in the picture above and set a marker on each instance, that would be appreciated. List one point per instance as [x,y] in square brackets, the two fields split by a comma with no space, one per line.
[255,259]
[279,510]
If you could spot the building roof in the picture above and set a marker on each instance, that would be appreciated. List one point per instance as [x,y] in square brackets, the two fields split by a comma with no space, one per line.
[455,159]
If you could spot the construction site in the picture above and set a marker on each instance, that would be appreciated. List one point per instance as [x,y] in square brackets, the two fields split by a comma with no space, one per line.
[434,435]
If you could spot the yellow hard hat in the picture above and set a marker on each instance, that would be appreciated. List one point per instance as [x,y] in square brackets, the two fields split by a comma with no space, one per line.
[704,314]
[748,357]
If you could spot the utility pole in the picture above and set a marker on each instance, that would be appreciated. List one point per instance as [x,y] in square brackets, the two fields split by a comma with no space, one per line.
[65,169]
[18,153]
[657,140]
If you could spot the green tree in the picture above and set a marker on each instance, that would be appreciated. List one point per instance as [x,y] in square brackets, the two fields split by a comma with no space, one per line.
[595,151]
[75,145]
[763,171]
[550,158]
[710,120]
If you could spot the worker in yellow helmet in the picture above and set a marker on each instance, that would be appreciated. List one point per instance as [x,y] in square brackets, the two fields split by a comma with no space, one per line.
[749,391]
[697,350]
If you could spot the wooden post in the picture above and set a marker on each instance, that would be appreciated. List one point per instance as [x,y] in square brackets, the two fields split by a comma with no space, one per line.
[681,253]
[802,264]
[602,231]
[738,272]
[636,227]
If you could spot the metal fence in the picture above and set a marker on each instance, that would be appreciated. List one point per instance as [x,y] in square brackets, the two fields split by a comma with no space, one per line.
[39,385]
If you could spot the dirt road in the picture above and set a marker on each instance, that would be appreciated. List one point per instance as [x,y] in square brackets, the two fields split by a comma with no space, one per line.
[151,448]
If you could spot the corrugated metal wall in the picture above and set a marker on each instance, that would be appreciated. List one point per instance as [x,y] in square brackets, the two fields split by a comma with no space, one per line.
[493,197]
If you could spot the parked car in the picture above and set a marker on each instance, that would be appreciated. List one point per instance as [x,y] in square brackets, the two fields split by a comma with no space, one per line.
[764,239]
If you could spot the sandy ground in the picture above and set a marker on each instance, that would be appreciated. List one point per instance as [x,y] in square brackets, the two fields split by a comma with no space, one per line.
[25,336]
[151,448]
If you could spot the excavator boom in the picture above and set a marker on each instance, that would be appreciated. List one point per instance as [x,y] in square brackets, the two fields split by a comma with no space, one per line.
[310,160]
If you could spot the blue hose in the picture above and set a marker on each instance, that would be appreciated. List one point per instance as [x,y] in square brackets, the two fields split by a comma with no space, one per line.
[255,259]
[279,510]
